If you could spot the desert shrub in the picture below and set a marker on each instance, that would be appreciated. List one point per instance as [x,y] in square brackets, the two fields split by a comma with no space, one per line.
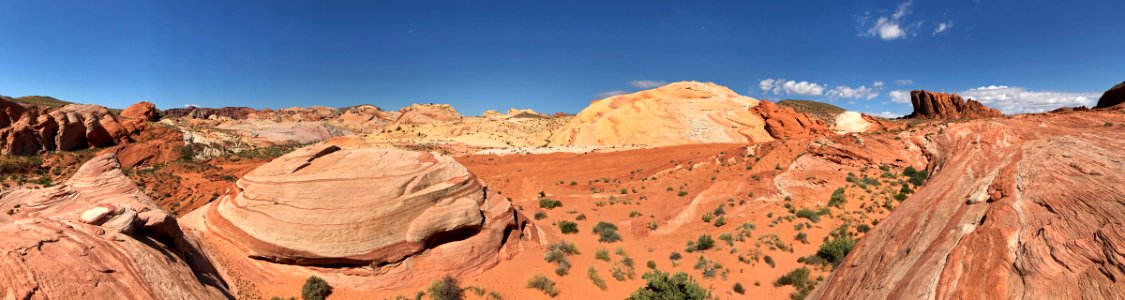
[662,286]
[446,289]
[568,227]
[601,254]
[704,242]
[607,232]
[769,261]
[836,249]
[802,237]
[737,288]
[837,199]
[544,284]
[315,288]
[580,217]
[800,281]
[540,215]
[549,203]
[557,253]
[809,214]
[863,228]
[915,177]
[598,281]
[651,264]
[720,222]
[675,256]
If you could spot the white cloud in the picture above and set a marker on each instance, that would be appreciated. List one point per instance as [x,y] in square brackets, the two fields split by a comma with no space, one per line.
[608,94]
[841,91]
[790,87]
[899,96]
[647,84]
[877,84]
[886,115]
[1016,100]
[891,27]
[942,27]
[904,82]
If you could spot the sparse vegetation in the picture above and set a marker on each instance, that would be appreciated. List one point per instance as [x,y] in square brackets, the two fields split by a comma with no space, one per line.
[836,249]
[446,289]
[662,286]
[704,242]
[607,232]
[544,284]
[315,288]
[549,203]
[568,227]
[598,281]
[837,199]
[800,281]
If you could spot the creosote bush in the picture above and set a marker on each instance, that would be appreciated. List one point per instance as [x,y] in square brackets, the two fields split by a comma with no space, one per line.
[544,284]
[607,232]
[568,227]
[446,289]
[315,288]
[549,203]
[662,286]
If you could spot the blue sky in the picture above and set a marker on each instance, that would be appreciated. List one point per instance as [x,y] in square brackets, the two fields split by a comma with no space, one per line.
[1019,56]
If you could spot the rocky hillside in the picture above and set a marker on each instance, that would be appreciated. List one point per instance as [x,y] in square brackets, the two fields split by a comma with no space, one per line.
[1112,97]
[30,129]
[934,105]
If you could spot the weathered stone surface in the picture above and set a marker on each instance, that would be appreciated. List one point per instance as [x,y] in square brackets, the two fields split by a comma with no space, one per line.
[674,114]
[143,110]
[934,105]
[427,113]
[403,213]
[1112,97]
[192,112]
[26,130]
[1014,209]
[84,239]
[784,122]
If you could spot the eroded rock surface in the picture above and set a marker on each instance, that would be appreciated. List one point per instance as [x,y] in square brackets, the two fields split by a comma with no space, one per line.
[1112,97]
[392,216]
[97,236]
[1028,207]
[934,105]
[27,130]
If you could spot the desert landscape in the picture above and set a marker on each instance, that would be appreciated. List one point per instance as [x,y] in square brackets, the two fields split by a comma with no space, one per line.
[439,151]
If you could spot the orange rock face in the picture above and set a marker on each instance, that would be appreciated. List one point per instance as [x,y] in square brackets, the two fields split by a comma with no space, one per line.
[784,122]
[31,130]
[403,216]
[97,237]
[143,110]
[427,113]
[1028,207]
[934,105]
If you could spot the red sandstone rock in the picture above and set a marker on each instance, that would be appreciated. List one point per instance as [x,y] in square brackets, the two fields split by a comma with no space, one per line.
[97,236]
[427,113]
[1112,97]
[143,110]
[192,112]
[934,105]
[784,122]
[26,130]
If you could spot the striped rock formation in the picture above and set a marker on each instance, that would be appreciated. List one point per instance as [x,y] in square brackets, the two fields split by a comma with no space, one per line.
[97,236]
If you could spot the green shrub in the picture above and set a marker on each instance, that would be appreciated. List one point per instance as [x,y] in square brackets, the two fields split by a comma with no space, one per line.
[720,222]
[836,249]
[809,214]
[737,288]
[540,215]
[568,227]
[607,232]
[601,254]
[837,199]
[549,203]
[557,253]
[675,256]
[800,281]
[446,289]
[651,264]
[598,281]
[544,284]
[315,288]
[704,242]
[682,193]
[769,261]
[662,286]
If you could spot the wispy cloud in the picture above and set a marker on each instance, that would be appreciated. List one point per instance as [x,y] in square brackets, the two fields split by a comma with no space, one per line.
[904,82]
[608,94]
[942,27]
[878,84]
[899,96]
[1015,100]
[647,84]
[790,87]
[861,92]
[890,27]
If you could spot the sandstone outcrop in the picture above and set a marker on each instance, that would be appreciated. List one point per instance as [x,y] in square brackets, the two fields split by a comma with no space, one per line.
[407,215]
[143,110]
[1014,209]
[192,112]
[97,236]
[26,130]
[674,114]
[1112,97]
[934,105]
[784,122]
[427,113]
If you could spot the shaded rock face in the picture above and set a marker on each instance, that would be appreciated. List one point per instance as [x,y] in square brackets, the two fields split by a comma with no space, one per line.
[784,122]
[934,105]
[1013,210]
[30,130]
[192,112]
[143,110]
[1113,97]
[328,207]
[674,114]
[97,236]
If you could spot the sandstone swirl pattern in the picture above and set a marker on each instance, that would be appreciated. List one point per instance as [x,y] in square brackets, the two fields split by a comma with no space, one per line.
[97,237]
[365,218]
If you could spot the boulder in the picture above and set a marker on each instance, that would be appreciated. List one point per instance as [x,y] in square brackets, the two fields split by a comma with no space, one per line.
[1112,97]
[934,105]
[143,110]
[784,122]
